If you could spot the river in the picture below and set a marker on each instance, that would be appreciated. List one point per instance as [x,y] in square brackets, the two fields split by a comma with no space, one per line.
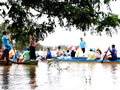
[77,76]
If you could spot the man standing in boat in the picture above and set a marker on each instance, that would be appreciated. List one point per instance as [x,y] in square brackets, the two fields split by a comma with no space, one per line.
[83,45]
[6,46]
[113,53]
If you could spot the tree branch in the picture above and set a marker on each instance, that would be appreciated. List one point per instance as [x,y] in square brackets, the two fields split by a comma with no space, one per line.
[2,16]
[33,7]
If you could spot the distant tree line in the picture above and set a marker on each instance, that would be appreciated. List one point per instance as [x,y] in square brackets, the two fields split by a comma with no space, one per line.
[52,48]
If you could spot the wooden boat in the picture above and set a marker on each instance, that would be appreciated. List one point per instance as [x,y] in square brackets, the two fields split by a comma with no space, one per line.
[5,62]
[83,60]
[27,62]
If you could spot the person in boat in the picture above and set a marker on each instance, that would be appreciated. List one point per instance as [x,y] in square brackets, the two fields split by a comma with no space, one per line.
[21,57]
[5,55]
[64,53]
[73,53]
[61,56]
[16,56]
[26,55]
[0,55]
[6,47]
[97,55]
[12,52]
[32,46]
[113,53]
[99,51]
[49,55]
[107,56]
[78,52]
[5,41]
[68,56]
[91,55]
[83,45]
[59,51]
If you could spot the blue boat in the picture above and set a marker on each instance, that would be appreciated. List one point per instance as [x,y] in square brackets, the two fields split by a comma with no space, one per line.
[83,60]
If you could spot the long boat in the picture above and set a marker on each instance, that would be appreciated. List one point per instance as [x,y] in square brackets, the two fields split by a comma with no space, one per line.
[83,60]
[5,62]
[27,62]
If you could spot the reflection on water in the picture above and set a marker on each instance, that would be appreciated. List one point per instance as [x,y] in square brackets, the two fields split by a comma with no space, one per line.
[79,76]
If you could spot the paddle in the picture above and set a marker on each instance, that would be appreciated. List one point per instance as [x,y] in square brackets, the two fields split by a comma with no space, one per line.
[104,57]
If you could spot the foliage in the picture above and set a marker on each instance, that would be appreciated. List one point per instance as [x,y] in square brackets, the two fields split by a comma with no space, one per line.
[82,14]
[2,28]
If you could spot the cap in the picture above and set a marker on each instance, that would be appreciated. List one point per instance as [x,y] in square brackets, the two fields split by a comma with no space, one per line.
[98,48]
[61,53]
[23,51]
[17,51]
[64,50]
[91,49]
[13,46]
[78,46]
[27,48]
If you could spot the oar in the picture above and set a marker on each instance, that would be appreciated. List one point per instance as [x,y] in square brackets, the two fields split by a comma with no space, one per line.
[104,57]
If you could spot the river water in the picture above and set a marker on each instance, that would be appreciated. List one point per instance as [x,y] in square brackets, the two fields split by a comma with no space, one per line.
[71,76]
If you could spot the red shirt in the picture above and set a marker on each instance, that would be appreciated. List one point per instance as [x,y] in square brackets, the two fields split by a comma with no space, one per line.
[32,43]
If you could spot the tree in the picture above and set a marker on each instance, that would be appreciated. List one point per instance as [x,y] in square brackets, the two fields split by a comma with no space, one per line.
[2,28]
[20,45]
[83,14]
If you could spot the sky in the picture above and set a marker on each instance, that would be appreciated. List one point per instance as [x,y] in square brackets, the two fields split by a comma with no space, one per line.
[63,37]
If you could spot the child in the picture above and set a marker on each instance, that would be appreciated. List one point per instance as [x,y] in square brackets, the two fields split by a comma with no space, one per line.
[16,57]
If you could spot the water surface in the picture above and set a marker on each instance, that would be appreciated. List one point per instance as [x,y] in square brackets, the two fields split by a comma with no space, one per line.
[79,76]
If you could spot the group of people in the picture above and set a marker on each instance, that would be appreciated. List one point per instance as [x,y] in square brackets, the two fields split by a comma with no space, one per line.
[92,55]
[10,52]
[80,52]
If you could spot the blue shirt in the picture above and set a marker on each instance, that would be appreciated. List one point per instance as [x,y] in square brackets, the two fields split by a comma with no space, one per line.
[113,54]
[49,54]
[5,43]
[4,40]
[82,44]
[16,56]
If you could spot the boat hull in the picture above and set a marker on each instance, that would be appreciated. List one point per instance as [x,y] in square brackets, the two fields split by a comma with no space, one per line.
[5,63]
[27,63]
[84,60]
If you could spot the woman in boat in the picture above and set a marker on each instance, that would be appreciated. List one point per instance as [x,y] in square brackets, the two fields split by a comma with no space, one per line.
[78,53]
[64,53]
[99,51]
[49,55]
[91,55]
[16,57]
[32,46]
[26,55]
[97,55]
[12,52]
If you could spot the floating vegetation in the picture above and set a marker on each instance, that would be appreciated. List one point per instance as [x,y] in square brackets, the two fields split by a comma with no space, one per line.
[56,64]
